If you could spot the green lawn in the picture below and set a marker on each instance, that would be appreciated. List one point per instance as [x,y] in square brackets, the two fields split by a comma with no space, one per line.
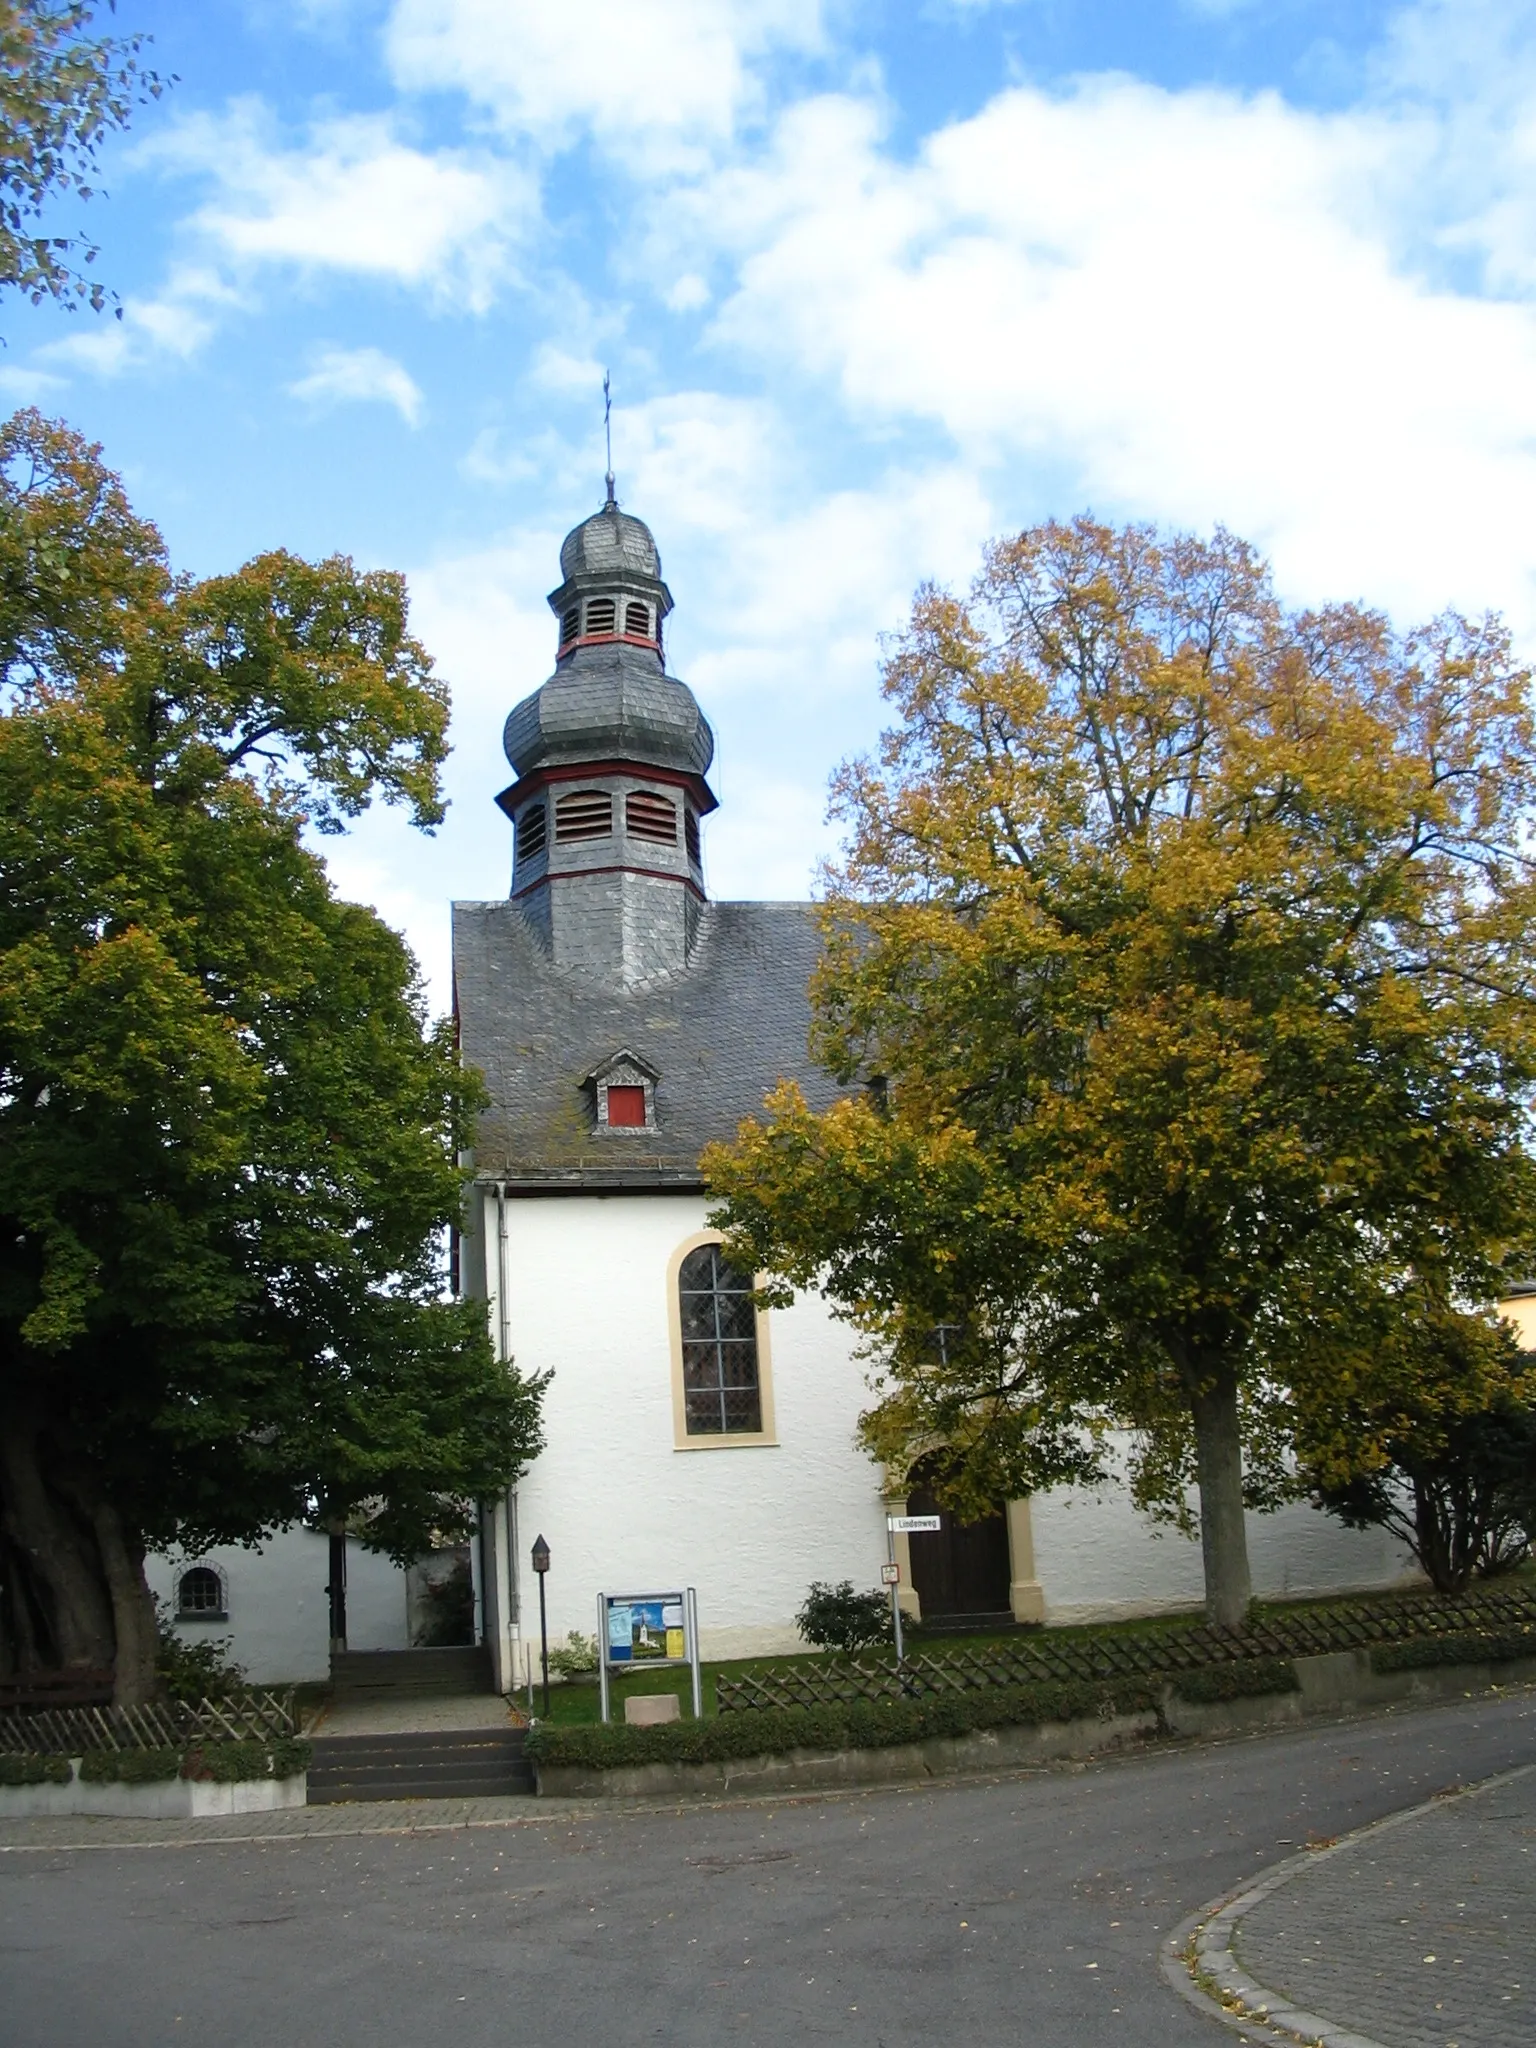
[572,1703]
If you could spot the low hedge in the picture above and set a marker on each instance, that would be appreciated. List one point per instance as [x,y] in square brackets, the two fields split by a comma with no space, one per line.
[1250,1679]
[33,1769]
[858,1724]
[217,1763]
[237,1763]
[129,1766]
[1466,1646]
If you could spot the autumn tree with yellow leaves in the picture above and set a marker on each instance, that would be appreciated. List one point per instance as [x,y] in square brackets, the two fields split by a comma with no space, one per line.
[1180,967]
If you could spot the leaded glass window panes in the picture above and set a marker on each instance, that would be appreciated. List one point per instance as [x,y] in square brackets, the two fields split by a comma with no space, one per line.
[200,1592]
[720,1382]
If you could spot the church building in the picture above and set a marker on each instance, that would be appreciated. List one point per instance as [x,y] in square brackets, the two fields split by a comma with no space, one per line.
[623,1020]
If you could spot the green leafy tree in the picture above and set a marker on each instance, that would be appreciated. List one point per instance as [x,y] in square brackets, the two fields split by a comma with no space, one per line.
[1437,1443]
[63,91]
[227,1133]
[1182,947]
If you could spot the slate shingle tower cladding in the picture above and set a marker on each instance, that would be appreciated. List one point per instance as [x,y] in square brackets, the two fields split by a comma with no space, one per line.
[609,941]
[610,757]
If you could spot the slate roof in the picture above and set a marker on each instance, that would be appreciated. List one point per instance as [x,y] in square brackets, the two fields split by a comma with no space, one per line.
[719,1035]
[610,541]
[610,702]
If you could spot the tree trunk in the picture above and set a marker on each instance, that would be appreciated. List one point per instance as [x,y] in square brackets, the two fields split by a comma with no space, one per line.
[1223,1537]
[135,1679]
[59,1555]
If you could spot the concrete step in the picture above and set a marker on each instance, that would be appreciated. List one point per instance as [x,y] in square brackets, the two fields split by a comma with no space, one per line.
[395,1674]
[474,1763]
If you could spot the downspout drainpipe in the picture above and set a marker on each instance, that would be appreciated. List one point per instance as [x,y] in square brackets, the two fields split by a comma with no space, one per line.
[506,1676]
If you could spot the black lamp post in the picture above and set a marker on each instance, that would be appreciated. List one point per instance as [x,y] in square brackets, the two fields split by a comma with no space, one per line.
[541,1566]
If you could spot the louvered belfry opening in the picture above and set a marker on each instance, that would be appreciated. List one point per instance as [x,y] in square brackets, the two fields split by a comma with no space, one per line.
[532,832]
[584,814]
[610,756]
[648,816]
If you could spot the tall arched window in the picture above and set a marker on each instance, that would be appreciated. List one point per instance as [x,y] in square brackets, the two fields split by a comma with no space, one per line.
[721,1394]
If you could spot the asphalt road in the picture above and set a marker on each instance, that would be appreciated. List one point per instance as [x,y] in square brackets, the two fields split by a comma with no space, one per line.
[1025,1911]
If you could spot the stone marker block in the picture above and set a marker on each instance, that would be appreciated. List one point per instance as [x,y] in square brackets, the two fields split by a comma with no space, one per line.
[646,1709]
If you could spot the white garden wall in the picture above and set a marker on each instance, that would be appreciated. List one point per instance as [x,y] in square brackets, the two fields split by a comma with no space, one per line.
[279,1615]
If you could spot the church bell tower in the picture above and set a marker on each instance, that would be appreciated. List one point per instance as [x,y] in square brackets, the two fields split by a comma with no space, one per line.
[610,756]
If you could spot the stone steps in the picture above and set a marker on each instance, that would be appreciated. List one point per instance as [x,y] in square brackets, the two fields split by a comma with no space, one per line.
[405,1674]
[450,1763]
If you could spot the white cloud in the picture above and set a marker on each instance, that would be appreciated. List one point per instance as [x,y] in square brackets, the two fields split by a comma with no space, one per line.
[360,376]
[648,77]
[176,324]
[27,386]
[1185,305]
[354,198]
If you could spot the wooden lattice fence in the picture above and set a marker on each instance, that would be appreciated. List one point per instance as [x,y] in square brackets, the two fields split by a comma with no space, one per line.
[1157,1653]
[170,1724]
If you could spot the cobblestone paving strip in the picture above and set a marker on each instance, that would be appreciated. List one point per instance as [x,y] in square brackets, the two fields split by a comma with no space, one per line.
[1419,1932]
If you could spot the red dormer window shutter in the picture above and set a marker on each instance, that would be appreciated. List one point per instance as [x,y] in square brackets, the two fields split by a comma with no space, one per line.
[626,1107]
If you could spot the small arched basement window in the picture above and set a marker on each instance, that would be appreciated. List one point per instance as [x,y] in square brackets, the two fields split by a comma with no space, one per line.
[584,814]
[200,1595]
[602,615]
[648,816]
[532,832]
[637,620]
[721,1393]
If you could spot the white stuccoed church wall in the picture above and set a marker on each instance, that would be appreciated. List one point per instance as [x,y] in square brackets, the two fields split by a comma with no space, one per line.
[622,1509]
[279,1616]
[1098,1559]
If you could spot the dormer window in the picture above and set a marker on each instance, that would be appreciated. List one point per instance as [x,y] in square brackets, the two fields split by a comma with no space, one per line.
[584,814]
[624,1094]
[637,620]
[626,1105]
[602,615]
[648,816]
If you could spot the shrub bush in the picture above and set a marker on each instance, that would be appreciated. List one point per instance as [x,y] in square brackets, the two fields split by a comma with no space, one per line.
[193,1670]
[1250,1679]
[837,1618]
[576,1656]
[217,1763]
[129,1766]
[34,1769]
[859,1724]
[1466,1646]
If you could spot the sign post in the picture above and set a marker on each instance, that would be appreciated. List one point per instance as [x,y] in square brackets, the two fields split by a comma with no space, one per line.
[901,1525]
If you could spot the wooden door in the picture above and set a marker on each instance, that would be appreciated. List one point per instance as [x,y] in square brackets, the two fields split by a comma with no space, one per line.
[963,1568]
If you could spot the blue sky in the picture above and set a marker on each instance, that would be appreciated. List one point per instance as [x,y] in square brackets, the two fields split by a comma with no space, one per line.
[874,283]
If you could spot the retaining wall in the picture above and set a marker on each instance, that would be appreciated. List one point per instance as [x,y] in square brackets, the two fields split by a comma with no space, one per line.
[1338,1680]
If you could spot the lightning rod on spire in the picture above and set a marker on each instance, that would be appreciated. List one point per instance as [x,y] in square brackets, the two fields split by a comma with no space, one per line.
[608,434]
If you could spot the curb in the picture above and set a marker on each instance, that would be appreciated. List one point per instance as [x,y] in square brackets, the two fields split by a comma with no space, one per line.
[1198,1959]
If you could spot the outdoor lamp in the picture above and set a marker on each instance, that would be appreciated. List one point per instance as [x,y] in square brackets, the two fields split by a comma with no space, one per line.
[541,1566]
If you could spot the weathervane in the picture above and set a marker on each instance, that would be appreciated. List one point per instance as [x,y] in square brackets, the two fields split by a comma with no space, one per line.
[608,434]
